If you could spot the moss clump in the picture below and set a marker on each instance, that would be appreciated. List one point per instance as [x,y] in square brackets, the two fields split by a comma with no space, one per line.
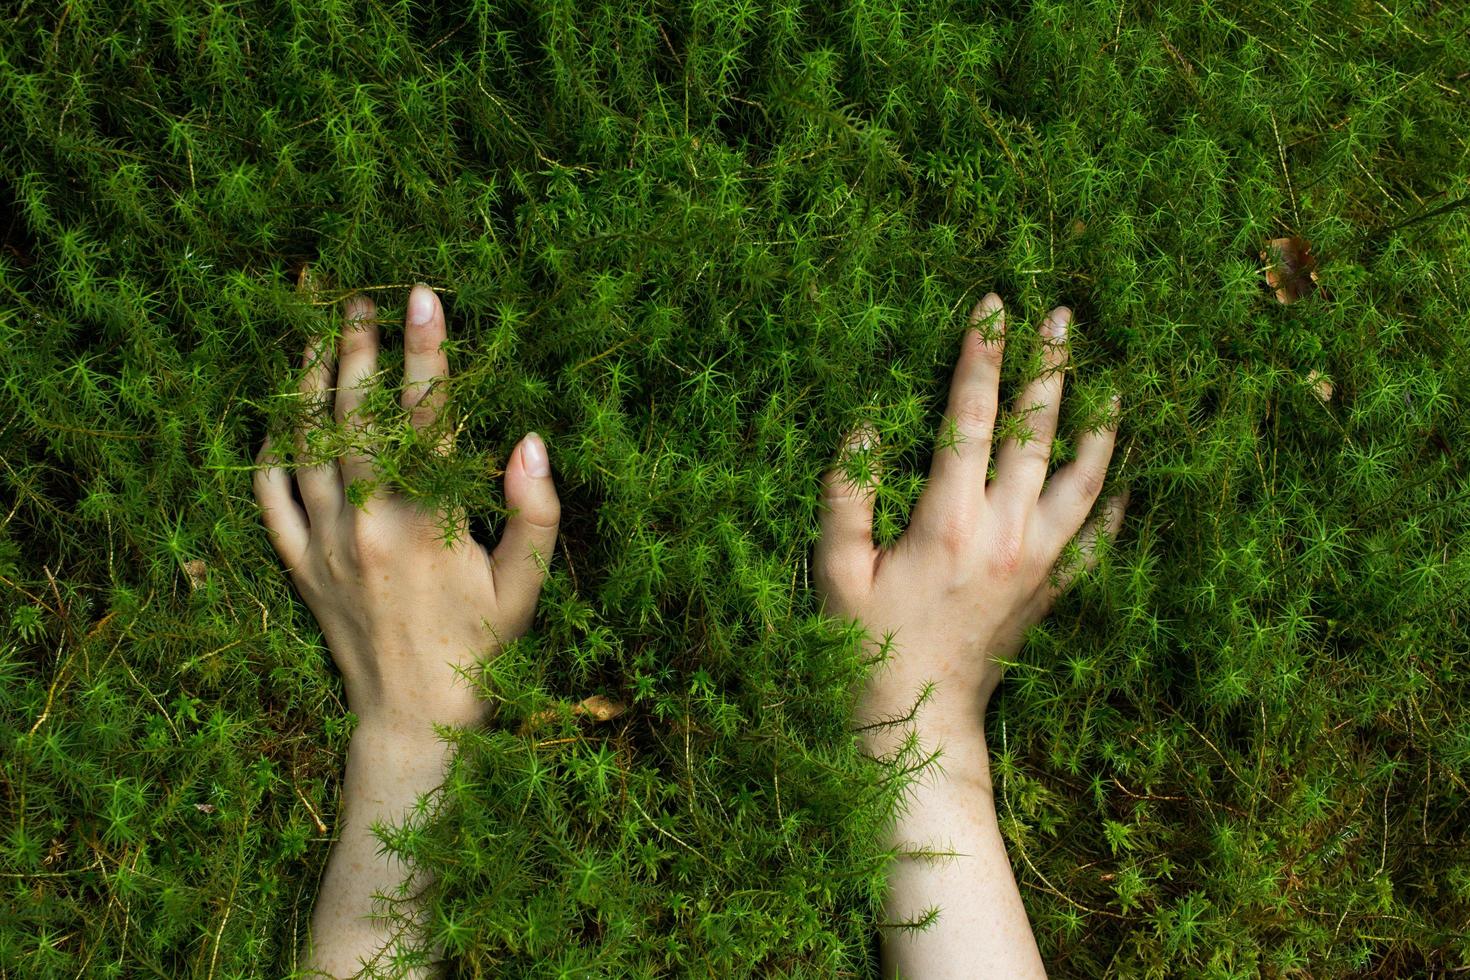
[692,246]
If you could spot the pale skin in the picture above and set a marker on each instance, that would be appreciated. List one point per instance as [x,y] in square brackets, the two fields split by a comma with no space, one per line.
[398,610]
[956,594]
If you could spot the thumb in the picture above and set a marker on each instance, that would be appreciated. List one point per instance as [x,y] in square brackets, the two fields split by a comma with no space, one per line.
[520,561]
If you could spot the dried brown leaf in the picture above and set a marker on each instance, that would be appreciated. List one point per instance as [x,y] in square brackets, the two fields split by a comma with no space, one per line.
[197,571]
[1321,387]
[1291,269]
[600,708]
[596,706]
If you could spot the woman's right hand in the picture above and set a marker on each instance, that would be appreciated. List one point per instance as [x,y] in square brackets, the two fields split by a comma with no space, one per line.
[973,570]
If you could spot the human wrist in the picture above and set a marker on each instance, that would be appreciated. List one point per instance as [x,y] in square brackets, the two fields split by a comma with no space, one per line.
[952,704]
[385,774]
[410,726]
[405,691]
[415,721]
[949,722]
[387,771]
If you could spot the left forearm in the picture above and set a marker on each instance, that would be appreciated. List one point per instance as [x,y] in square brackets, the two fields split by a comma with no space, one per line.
[387,769]
[404,611]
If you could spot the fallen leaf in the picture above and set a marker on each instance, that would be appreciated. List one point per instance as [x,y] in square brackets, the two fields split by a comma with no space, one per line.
[1291,268]
[600,708]
[1321,387]
[313,285]
[597,707]
[198,573]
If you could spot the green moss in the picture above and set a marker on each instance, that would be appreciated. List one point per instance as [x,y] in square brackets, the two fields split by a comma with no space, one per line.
[692,246]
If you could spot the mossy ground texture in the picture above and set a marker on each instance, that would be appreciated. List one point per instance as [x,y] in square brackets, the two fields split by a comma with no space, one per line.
[693,246]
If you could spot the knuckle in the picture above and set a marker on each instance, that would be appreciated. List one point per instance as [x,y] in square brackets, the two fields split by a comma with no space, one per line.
[547,514]
[1090,480]
[955,531]
[542,510]
[353,342]
[985,341]
[539,525]
[974,414]
[1007,552]
[835,578]
[421,343]
[360,337]
[366,546]
[1035,448]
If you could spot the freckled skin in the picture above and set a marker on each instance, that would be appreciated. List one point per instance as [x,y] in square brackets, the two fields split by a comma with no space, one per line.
[957,593]
[398,680]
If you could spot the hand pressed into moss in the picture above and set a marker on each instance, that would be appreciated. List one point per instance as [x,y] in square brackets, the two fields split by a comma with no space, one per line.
[972,572]
[956,594]
[398,607]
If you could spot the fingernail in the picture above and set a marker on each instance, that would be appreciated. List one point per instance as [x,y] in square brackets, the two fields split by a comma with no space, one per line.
[986,314]
[860,439]
[420,304]
[1056,324]
[358,310]
[533,456]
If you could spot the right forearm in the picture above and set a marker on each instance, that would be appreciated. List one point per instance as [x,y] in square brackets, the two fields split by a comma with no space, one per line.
[959,591]
[982,929]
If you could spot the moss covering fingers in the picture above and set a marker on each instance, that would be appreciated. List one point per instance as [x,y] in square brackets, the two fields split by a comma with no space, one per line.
[692,246]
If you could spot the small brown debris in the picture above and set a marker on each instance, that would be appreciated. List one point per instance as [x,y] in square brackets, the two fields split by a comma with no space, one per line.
[1291,269]
[204,807]
[306,279]
[1183,61]
[537,720]
[597,707]
[1321,387]
[198,573]
[1078,227]
[312,285]
[600,708]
